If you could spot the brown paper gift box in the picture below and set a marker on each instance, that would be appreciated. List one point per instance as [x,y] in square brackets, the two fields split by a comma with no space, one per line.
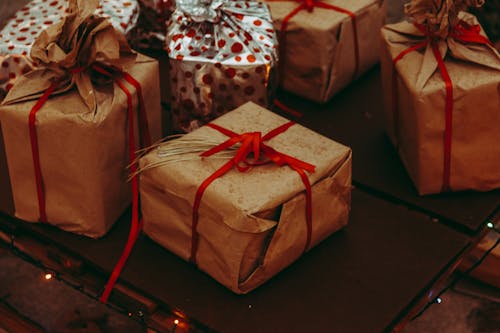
[83,155]
[475,145]
[251,225]
[320,55]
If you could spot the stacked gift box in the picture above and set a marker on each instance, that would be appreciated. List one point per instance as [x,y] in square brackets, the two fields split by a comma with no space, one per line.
[245,192]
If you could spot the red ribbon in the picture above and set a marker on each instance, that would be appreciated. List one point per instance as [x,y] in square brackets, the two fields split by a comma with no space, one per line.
[252,142]
[40,191]
[309,6]
[462,32]
[145,139]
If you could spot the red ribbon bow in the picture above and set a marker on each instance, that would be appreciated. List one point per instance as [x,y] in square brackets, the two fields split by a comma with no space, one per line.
[462,32]
[251,143]
[145,140]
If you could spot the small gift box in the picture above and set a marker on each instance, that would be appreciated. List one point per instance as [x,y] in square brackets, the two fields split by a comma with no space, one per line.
[440,78]
[325,45]
[22,29]
[244,214]
[222,54]
[70,126]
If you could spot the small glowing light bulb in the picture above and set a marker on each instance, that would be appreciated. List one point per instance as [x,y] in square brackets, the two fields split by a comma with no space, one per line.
[438,300]
[48,276]
[176,322]
[490,225]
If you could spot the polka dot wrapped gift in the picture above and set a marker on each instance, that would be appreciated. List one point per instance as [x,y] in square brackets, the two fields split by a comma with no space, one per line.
[222,54]
[21,31]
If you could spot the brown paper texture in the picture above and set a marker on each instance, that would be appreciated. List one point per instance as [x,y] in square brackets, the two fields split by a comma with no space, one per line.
[83,154]
[82,128]
[474,71]
[320,58]
[251,225]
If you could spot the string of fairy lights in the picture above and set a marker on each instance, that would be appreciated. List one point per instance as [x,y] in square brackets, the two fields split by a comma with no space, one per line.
[438,298]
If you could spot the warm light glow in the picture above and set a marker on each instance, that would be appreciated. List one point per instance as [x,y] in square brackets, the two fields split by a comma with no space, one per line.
[176,322]
[48,276]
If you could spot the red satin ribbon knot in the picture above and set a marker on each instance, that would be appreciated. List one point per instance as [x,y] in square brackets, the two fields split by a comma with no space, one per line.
[251,143]
[119,78]
[462,32]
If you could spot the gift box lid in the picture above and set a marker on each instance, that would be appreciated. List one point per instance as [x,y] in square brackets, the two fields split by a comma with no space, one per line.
[258,190]
[319,18]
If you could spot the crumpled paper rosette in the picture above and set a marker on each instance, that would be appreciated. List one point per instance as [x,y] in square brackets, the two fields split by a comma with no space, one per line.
[222,54]
[22,29]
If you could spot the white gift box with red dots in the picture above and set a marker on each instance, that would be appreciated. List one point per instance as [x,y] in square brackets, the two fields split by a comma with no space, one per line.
[222,55]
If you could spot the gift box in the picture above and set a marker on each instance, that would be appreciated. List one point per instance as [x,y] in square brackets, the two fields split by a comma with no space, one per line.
[222,54]
[440,86]
[22,29]
[325,45]
[69,125]
[240,219]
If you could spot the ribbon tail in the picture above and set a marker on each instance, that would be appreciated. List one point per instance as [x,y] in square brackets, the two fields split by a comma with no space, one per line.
[136,224]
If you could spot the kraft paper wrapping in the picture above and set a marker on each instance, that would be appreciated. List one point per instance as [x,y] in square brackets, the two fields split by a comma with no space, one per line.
[223,53]
[319,59]
[81,129]
[475,73]
[24,27]
[252,225]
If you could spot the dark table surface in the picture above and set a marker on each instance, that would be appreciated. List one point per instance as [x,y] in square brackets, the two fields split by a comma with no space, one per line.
[361,279]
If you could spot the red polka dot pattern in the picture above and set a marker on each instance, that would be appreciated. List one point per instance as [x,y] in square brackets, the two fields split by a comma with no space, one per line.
[12,66]
[217,68]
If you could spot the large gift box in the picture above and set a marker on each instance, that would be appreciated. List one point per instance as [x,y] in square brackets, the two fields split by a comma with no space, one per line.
[325,45]
[442,104]
[67,125]
[223,53]
[238,219]
[23,28]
